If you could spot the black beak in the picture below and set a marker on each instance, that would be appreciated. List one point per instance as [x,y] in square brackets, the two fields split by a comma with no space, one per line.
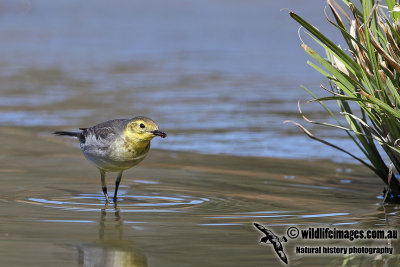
[159,133]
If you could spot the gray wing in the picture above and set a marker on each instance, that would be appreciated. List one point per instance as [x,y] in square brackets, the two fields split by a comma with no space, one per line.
[103,131]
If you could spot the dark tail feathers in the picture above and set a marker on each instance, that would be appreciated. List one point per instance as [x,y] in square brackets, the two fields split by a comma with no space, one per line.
[75,134]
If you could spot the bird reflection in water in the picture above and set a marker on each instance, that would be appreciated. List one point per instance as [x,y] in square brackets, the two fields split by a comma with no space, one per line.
[111,250]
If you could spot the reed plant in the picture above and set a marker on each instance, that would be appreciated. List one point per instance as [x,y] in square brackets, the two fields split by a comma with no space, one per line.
[364,80]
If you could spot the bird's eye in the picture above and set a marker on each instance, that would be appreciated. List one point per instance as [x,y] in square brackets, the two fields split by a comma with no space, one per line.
[142,125]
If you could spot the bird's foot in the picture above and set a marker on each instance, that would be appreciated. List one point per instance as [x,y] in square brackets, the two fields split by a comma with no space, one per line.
[107,199]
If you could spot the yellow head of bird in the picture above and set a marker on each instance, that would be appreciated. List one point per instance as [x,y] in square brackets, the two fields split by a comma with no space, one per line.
[142,129]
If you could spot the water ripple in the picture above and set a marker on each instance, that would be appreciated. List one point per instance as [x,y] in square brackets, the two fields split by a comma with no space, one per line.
[129,203]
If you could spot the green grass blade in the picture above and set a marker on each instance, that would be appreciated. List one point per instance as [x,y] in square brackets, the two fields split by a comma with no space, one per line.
[333,47]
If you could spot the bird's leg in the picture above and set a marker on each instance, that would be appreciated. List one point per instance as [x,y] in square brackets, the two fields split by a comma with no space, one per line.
[117,185]
[103,185]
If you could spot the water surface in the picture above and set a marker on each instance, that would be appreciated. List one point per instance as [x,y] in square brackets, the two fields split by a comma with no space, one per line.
[219,77]
[176,208]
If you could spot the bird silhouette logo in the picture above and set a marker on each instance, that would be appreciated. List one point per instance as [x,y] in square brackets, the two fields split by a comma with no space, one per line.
[274,240]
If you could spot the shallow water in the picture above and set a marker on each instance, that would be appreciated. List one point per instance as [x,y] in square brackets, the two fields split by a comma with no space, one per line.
[175,209]
[219,77]
[226,74]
